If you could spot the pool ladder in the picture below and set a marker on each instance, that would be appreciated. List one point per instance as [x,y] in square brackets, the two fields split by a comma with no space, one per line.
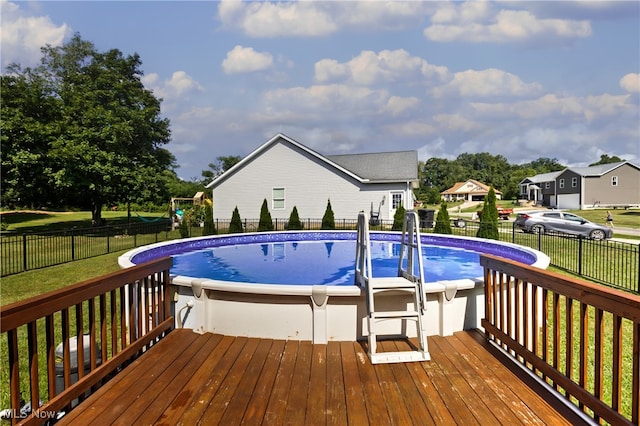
[410,280]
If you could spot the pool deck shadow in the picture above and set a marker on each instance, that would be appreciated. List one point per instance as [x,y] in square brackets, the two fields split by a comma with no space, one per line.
[190,378]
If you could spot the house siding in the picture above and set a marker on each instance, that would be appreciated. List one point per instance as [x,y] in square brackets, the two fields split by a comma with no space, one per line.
[308,183]
[600,191]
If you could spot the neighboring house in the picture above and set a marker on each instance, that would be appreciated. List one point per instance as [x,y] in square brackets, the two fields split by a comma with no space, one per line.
[541,189]
[287,174]
[471,190]
[605,185]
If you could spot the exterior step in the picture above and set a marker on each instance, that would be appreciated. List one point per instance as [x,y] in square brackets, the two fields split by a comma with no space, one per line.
[412,315]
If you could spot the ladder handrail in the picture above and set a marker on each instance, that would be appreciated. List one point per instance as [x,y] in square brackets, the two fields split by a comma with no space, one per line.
[411,241]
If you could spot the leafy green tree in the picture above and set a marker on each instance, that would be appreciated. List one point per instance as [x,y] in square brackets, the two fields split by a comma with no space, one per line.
[221,165]
[27,127]
[235,226]
[606,159]
[398,219]
[488,227]
[266,223]
[328,220]
[294,223]
[91,118]
[443,222]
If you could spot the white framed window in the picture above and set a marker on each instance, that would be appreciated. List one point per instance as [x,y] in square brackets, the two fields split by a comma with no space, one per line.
[547,185]
[277,201]
[561,183]
[574,182]
[396,200]
[614,180]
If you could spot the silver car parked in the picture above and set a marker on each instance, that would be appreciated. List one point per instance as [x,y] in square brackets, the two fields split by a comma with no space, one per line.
[545,221]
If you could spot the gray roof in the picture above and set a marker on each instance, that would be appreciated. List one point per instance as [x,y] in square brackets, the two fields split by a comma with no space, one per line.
[380,166]
[545,177]
[598,170]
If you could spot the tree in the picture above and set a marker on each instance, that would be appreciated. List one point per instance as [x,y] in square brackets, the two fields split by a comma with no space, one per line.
[328,220]
[605,159]
[235,226]
[265,223]
[209,226]
[294,223]
[398,219]
[443,222]
[221,165]
[99,128]
[488,227]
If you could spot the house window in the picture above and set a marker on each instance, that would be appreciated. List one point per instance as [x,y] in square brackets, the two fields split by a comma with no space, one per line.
[547,185]
[614,180]
[278,198]
[396,200]
[561,183]
[574,182]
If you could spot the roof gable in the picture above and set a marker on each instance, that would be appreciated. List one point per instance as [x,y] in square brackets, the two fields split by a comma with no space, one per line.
[469,186]
[367,168]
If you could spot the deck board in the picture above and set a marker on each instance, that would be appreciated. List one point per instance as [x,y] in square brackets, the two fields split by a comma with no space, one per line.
[189,378]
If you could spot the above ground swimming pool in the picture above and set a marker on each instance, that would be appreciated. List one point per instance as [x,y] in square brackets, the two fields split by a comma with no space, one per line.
[317,262]
[300,285]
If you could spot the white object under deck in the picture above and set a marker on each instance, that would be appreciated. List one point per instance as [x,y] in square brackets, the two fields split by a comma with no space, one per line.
[410,279]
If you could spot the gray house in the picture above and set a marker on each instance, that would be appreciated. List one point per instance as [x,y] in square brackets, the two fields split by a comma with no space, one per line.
[605,185]
[287,174]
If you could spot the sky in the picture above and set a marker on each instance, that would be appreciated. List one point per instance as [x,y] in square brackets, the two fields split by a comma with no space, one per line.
[521,79]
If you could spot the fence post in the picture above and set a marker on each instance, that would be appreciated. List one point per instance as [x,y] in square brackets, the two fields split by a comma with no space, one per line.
[24,252]
[580,255]
[73,243]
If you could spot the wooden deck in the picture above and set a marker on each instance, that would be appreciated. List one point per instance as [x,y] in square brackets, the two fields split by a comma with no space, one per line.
[189,378]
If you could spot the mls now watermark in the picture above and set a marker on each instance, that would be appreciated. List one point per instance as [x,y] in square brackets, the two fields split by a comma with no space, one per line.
[11,413]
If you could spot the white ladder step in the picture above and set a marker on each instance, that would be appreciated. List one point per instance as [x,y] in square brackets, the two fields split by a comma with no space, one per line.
[391,283]
[404,356]
[395,314]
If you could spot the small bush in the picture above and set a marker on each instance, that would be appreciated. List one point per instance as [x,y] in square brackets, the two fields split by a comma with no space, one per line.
[209,226]
[235,226]
[398,219]
[328,220]
[266,223]
[294,223]
[184,227]
[443,222]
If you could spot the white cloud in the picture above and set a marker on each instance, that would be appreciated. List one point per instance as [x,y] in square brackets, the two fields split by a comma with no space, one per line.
[244,59]
[631,82]
[386,66]
[265,19]
[22,35]
[396,105]
[317,19]
[173,89]
[474,22]
[486,83]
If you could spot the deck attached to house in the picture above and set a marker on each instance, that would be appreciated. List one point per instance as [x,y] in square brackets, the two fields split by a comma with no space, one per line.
[189,378]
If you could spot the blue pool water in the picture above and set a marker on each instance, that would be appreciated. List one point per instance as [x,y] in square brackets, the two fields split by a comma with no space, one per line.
[326,262]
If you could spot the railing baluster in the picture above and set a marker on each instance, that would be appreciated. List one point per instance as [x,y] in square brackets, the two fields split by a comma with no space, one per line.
[32,337]
[14,369]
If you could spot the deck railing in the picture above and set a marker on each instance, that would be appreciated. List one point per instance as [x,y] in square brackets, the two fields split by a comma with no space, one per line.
[580,338]
[110,319]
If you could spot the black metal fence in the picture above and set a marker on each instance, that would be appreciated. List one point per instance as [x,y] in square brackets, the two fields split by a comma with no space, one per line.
[616,264]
